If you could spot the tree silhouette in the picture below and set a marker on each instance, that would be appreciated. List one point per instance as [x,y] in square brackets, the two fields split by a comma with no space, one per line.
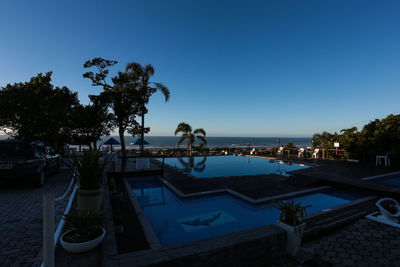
[190,135]
[141,76]
[36,110]
[121,95]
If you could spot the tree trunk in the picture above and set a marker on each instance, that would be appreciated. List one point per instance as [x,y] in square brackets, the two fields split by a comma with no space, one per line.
[142,136]
[122,139]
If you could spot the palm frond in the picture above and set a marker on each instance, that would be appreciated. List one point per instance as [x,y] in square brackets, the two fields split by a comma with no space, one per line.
[203,140]
[183,127]
[164,90]
[183,137]
[148,70]
[134,67]
[200,131]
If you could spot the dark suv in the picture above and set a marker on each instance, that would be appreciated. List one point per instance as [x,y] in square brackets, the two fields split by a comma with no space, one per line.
[30,161]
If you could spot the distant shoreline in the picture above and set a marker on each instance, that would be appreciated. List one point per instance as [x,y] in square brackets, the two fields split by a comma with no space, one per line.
[164,142]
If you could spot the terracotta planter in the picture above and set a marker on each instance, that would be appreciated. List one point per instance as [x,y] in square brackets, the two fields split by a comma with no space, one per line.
[87,199]
[81,247]
[294,235]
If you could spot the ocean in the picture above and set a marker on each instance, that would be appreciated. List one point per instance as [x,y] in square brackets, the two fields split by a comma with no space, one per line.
[171,141]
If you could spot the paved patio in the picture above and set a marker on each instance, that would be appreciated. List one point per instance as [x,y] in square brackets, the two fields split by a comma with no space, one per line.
[363,243]
[21,219]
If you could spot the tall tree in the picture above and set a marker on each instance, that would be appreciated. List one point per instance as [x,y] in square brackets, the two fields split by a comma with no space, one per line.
[141,76]
[36,110]
[120,95]
[190,135]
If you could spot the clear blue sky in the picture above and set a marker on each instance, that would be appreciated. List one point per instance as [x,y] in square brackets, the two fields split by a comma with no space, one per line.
[235,68]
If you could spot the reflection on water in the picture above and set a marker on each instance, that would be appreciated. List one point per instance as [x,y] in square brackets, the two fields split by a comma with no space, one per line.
[189,164]
[223,166]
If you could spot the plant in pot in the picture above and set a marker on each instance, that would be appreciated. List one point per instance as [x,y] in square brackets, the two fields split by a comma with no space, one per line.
[89,175]
[291,221]
[86,233]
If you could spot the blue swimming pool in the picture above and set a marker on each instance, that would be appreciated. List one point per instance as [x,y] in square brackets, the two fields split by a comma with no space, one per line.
[175,220]
[222,166]
[391,179]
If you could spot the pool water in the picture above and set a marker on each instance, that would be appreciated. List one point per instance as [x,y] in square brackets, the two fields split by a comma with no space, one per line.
[221,166]
[392,180]
[175,220]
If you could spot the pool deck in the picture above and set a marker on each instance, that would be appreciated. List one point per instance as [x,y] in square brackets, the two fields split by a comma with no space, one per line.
[351,174]
[337,237]
[362,243]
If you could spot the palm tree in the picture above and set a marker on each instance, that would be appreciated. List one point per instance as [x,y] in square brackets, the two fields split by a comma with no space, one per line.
[141,75]
[190,135]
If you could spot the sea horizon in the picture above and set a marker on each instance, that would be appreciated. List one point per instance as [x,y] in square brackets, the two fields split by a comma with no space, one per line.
[212,141]
[215,141]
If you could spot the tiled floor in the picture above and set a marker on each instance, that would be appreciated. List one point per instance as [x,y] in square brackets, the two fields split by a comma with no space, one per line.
[21,219]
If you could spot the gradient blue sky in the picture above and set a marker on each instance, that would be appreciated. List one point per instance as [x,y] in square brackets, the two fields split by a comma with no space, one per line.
[235,68]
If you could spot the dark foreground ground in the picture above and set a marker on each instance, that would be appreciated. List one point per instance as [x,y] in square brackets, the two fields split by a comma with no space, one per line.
[21,227]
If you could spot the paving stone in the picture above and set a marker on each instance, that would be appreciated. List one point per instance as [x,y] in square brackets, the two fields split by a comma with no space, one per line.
[358,245]
[339,249]
[334,260]
[21,219]
[331,254]
[383,261]
[343,255]
[348,262]
[361,263]
[356,257]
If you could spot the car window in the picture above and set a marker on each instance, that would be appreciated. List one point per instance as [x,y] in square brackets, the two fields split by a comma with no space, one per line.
[41,148]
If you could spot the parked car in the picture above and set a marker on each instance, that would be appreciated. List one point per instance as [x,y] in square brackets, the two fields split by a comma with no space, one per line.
[29,161]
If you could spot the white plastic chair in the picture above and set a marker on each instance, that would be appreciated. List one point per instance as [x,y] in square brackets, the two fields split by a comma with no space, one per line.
[253,151]
[301,153]
[315,154]
[394,217]
[280,151]
[386,159]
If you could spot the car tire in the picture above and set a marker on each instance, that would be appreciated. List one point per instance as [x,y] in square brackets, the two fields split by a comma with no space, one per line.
[41,179]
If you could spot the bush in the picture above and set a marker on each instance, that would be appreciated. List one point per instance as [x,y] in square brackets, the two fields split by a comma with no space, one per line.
[379,137]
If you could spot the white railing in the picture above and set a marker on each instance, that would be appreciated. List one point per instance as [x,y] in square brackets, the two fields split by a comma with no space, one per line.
[50,238]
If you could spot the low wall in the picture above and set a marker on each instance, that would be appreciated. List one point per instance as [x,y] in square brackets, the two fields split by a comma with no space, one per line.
[262,251]
[260,246]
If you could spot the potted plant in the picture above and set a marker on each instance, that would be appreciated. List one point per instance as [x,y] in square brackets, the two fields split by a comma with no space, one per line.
[291,221]
[89,175]
[86,233]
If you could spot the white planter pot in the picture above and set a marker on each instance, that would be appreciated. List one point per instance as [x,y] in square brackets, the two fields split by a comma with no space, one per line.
[81,247]
[294,235]
[87,199]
